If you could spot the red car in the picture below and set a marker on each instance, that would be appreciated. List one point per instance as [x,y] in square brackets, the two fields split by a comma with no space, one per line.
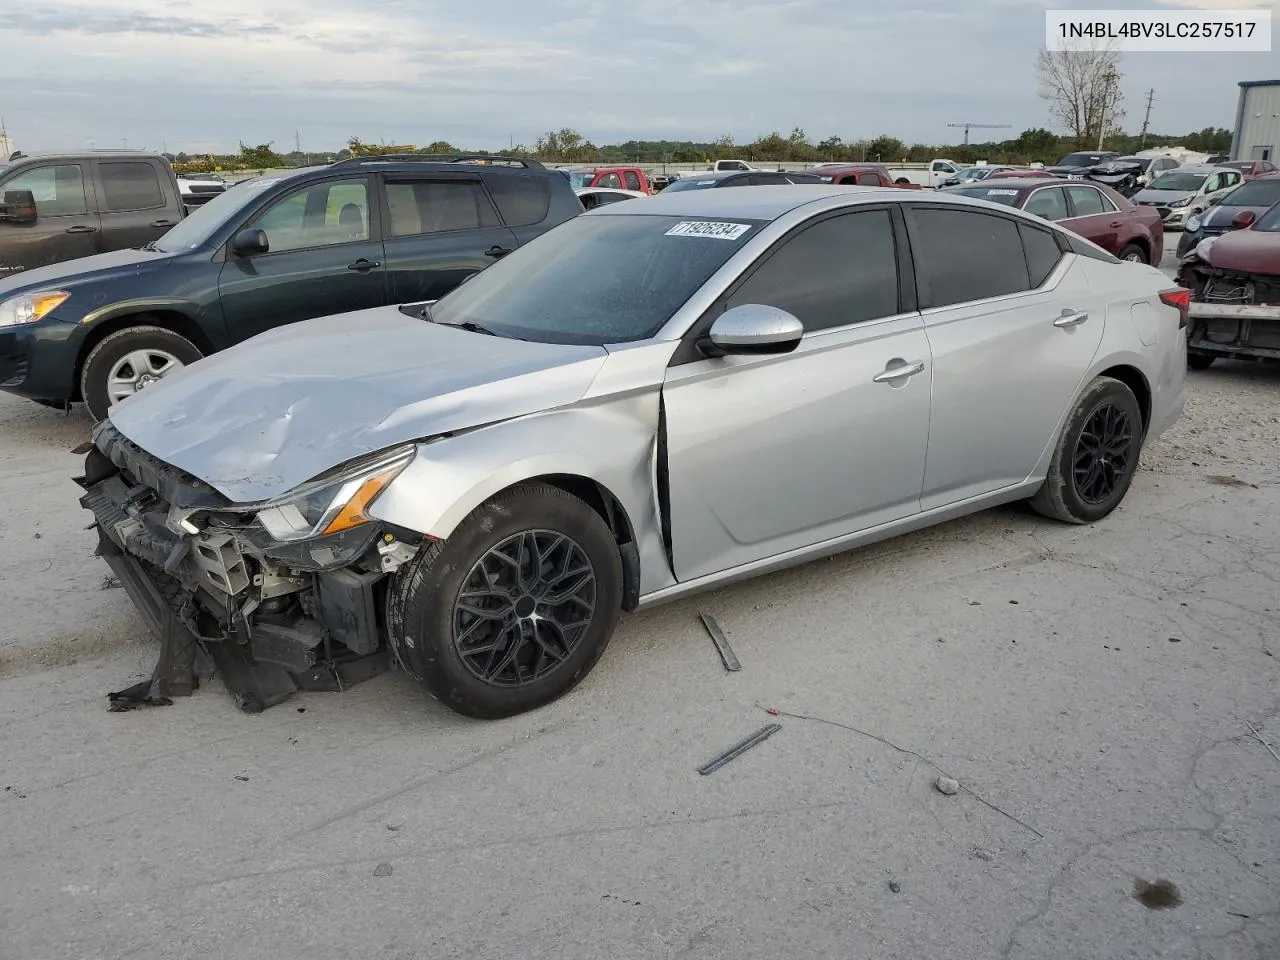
[609,177]
[863,174]
[1097,213]
[1252,168]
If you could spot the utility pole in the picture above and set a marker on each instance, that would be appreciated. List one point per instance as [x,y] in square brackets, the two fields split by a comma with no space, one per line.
[1151,96]
[297,141]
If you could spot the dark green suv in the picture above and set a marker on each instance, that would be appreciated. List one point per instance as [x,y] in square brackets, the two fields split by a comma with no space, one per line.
[355,234]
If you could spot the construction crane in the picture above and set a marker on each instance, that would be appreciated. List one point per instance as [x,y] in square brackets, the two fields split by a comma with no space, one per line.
[979,126]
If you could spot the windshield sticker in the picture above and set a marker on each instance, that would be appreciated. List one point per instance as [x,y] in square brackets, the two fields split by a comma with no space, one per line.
[1002,193]
[705,228]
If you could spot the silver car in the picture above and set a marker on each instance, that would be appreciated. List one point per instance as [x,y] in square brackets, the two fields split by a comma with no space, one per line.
[652,399]
[1184,192]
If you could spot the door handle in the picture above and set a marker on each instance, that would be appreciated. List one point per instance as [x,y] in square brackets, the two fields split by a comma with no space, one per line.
[1116,223]
[162,223]
[363,265]
[496,252]
[1071,318]
[898,371]
[82,228]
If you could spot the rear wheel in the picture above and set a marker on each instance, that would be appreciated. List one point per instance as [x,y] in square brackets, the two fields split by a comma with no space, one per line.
[1096,456]
[1133,253]
[130,360]
[1200,361]
[514,608]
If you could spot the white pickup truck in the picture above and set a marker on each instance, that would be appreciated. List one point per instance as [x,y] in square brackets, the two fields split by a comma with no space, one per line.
[929,174]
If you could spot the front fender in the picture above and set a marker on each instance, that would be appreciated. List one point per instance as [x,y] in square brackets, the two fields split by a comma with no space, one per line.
[611,442]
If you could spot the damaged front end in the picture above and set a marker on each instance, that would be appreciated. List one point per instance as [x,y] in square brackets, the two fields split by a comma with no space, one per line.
[1234,313]
[279,596]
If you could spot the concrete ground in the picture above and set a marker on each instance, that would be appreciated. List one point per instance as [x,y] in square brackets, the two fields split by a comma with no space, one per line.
[1088,688]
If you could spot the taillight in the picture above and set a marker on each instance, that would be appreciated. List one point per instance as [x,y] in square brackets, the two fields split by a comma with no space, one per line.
[1179,297]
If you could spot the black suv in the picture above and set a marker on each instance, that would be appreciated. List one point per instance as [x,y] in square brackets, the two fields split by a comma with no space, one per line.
[56,207]
[358,233]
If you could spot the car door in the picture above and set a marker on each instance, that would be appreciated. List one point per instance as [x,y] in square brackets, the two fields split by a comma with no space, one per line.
[1094,217]
[66,225]
[325,257]
[132,203]
[1012,325]
[767,454]
[440,230]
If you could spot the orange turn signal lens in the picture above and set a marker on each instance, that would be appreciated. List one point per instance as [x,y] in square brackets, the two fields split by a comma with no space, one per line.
[353,513]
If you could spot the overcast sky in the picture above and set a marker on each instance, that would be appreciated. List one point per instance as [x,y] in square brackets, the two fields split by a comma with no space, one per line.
[205,75]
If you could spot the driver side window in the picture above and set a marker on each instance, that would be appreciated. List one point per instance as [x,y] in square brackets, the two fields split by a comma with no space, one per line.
[321,215]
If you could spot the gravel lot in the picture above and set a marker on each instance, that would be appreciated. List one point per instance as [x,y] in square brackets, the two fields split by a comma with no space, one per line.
[1087,687]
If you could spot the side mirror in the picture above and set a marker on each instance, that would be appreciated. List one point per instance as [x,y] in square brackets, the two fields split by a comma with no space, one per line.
[752,328]
[1243,220]
[19,207]
[250,242]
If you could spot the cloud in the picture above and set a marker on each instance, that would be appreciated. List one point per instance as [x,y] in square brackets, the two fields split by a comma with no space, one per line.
[173,72]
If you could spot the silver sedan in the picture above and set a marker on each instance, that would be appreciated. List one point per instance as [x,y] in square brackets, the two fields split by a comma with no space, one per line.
[650,400]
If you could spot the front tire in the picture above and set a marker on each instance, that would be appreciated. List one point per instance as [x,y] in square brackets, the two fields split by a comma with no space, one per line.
[126,361]
[1133,253]
[1200,361]
[1096,455]
[512,610]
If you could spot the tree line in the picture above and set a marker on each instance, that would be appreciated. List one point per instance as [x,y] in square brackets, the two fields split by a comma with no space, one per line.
[567,145]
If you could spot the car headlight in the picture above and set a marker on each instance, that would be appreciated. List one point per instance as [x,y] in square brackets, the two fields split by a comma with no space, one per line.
[1181,203]
[1194,224]
[333,504]
[30,307]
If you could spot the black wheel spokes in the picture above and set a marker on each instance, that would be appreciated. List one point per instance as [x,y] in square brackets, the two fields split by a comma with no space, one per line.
[1102,454]
[524,607]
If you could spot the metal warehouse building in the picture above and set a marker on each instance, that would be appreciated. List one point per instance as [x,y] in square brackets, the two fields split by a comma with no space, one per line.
[1257,134]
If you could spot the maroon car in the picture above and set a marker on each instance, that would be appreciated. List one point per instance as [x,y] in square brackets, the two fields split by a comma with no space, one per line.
[1097,213]
[1235,292]
[1251,169]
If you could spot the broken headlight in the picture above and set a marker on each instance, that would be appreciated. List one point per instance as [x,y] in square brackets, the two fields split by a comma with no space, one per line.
[333,504]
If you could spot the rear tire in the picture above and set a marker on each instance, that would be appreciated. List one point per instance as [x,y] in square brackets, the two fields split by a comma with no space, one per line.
[1133,253]
[140,355]
[489,632]
[1096,455]
[1200,361]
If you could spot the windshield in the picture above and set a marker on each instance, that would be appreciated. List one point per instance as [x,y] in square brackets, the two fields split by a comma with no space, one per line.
[580,178]
[995,194]
[1269,222]
[1255,193]
[195,229]
[1082,159]
[972,173]
[683,184]
[596,279]
[1176,180]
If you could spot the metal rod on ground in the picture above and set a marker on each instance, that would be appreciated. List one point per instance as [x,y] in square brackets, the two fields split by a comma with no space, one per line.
[722,644]
[738,749]
[1258,736]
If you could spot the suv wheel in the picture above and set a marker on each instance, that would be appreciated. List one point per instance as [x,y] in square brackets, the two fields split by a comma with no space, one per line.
[129,360]
[514,608]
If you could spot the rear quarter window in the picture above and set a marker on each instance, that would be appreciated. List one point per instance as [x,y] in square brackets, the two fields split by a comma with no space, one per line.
[1042,250]
[522,200]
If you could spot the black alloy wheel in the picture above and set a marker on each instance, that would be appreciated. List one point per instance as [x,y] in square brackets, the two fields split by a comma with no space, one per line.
[524,607]
[1102,454]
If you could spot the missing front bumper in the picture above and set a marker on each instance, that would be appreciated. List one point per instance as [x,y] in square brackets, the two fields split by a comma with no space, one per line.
[1235,330]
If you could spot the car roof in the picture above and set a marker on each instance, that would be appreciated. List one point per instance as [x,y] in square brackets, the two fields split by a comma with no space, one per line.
[107,153]
[772,202]
[1020,183]
[1200,168]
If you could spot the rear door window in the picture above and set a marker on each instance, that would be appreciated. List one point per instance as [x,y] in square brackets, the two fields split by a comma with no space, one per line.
[633,181]
[1042,251]
[1049,203]
[961,256]
[1086,202]
[438,206]
[58,190]
[129,185]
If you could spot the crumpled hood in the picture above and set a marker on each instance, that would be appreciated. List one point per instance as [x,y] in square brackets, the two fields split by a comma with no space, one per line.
[83,270]
[1160,196]
[1116,168]
[277,410]
[1247,251]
